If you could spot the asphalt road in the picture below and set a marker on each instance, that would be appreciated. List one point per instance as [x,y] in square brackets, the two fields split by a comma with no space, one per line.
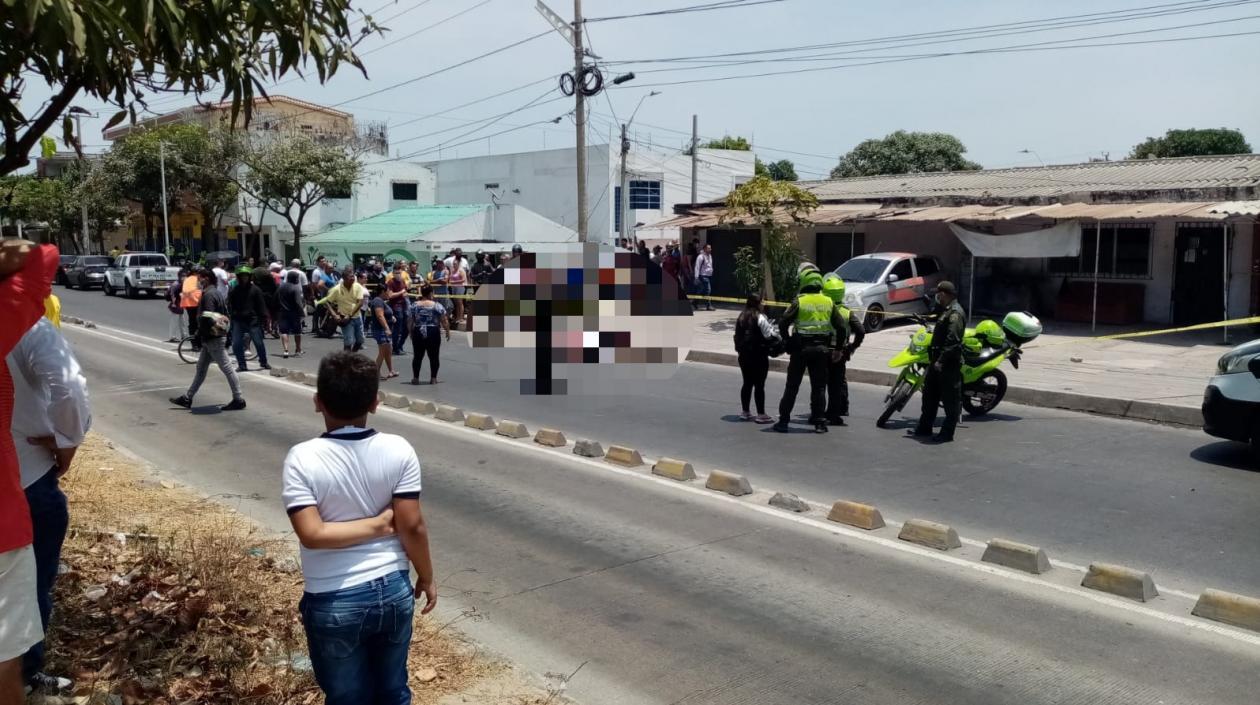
[1172,501]
[676,595]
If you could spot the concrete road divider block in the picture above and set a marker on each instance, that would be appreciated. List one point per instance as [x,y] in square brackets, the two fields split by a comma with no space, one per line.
[626,457]
[863,516]
[589,449]
[296,376]
[397,401]
[512,429]
[454,414]
[930,534]
[419,406]
[381,395]
[279,372]
[550,437]
[310,380]
[481,422]
[789,501]
[89,324]
[1019,556]
[680,470]
[728,482]
[1119,580]
[1221,606]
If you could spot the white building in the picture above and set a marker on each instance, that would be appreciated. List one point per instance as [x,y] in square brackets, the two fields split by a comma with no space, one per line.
[545,182]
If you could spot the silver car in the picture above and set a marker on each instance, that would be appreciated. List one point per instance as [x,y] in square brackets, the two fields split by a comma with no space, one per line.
[87,271]
[888,282]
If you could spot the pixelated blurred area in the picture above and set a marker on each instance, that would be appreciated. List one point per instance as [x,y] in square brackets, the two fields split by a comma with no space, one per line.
[587,320]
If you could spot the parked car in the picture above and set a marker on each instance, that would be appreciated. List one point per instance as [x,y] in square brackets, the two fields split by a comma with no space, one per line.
[86,271]
[61,269]
[1231,402]
[139,272]
[888,282]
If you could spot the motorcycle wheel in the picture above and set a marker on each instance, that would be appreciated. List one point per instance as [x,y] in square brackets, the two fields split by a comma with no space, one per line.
[897,398]
[981,396]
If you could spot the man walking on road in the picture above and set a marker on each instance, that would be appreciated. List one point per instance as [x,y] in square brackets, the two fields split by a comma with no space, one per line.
[816,321]
[943,385]
[292,305]
[212,327]
[704,276]
[52,416]
[249,310]
[344,302]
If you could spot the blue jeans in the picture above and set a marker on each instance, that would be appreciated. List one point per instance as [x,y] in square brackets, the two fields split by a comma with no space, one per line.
[239,332]
[400,330]
[358,638]
[352,333]
[49,518]
[704,287]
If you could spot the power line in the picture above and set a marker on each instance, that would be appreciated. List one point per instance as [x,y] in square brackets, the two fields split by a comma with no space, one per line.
[727,5]
[488,121]
[426,28]
[919,57]
[417,6]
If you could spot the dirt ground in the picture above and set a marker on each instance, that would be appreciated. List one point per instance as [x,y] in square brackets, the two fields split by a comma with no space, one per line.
[167,597]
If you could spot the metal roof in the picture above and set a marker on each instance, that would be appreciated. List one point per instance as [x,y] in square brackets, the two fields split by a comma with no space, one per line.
[1235,171]
[398,225]
[1237,208]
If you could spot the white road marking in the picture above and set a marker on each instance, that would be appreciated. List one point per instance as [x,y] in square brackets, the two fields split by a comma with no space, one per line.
[818,524]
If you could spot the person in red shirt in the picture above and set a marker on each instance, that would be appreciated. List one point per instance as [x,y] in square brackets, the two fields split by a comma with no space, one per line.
[26,274]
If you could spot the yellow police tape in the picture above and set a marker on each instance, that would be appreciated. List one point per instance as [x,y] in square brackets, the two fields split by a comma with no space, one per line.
[892,314]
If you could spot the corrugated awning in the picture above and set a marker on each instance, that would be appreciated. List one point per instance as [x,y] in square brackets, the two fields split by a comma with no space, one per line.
[1237,208]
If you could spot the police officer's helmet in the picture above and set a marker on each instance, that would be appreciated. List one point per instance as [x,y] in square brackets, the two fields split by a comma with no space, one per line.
[811,280]
[833,286]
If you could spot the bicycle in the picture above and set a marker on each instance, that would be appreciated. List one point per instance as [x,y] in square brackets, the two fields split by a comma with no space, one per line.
[189,353]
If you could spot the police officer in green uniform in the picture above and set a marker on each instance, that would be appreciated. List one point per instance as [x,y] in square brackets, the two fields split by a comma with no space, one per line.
[816,320]
[848,338]
[943,385]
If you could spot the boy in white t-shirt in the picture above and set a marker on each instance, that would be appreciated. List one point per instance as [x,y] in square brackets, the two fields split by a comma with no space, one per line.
[353,496]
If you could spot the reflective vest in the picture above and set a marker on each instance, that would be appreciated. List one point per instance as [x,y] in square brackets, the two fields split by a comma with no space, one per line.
[843,337]
[813,317]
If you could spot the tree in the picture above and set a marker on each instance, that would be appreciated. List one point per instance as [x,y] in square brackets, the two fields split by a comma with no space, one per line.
[119,50]
[210,160]
[136,161]
[1192,143]
[729,142]
[782,170]
[905,153]
[772,205]
[291,173]
[90,183]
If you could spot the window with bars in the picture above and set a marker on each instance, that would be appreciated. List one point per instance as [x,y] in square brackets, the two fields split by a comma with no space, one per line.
[1123,251]
[645,195]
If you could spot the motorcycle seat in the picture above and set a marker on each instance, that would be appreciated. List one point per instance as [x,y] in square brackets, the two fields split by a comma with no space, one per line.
[980,358]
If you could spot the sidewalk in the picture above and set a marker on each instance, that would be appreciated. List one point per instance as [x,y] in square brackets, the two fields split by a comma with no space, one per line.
[1155,379]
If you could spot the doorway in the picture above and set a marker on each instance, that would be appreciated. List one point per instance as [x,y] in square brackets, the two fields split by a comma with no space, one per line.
[725,243]
[1198,277]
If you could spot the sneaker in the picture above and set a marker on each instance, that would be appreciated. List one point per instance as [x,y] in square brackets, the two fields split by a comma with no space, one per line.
[820,427]
[745,416]
[781,427]
[234,405]
[169,340]
[297,353]
[835,421]
[264,367]
[182,400]
[242,368]
[285,355]
[44,684]
[762,419]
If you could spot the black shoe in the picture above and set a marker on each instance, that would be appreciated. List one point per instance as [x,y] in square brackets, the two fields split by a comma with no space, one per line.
[943,438]
[234,405]
[835,421]
[781,427]
[242,368]
[264,367]
[921,432]
[820,428]
[182,400]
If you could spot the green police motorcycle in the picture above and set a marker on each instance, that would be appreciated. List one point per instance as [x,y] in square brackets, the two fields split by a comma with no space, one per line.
[985,348]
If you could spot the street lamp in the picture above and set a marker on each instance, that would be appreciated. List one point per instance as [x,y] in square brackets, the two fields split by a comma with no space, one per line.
[623,202]
[1034,153]
[78,114]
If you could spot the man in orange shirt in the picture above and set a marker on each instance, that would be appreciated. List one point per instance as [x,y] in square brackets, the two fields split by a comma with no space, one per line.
[189,300]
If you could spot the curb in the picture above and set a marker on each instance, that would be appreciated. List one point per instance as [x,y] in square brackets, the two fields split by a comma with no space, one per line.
[452,414]
[930,534]
[481,422]
[1019,556]
[730,483]
[1133,409]
[863,516]
[679,470]
[512,429]
[623,456]
[1119,580]
[1221,606]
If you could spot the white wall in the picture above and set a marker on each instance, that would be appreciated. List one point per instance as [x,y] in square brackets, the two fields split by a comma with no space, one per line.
[718,172]
[544,182]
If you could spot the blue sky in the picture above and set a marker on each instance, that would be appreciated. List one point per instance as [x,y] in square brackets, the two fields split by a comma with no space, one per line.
[1066,105]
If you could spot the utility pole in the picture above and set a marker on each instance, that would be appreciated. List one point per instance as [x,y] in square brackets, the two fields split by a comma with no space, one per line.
[625,197]
[695,154]
[580,120]
[83,214]
[166,221]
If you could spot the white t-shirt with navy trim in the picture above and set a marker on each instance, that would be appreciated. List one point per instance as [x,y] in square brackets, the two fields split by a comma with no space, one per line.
[350,474]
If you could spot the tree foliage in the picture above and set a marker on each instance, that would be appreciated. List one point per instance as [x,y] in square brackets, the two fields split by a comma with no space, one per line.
[905,153]
[729,142]
[120,50]
[58,202]
[773,206]
[291,173]
[782,170]
[136,163]
[1192,143]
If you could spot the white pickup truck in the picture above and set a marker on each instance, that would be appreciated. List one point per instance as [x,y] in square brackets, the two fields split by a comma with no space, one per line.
[136,272]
